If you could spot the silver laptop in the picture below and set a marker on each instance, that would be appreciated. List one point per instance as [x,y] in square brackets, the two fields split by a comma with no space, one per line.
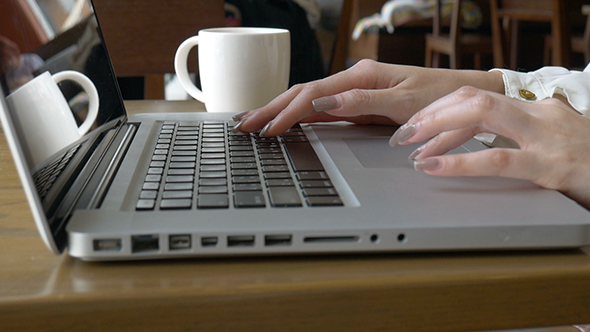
[181,185]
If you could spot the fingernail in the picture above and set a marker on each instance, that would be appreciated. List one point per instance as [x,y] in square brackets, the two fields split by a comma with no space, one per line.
[236,128]
[239,116]
[427,164]
[402,134]
[265,129]
[416,153]
[325,104]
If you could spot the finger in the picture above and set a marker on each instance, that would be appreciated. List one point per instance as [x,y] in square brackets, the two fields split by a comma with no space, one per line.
[468,107]
[295,104]
[358,102]
[510,163]
[443,143]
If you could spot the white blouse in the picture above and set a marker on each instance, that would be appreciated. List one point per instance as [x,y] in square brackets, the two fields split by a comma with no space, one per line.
[548,81]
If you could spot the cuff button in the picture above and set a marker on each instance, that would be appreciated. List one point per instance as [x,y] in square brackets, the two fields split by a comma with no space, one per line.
[526,94]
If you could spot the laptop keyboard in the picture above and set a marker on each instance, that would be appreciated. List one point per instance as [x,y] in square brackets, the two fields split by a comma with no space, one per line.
[204,165]
[45,177]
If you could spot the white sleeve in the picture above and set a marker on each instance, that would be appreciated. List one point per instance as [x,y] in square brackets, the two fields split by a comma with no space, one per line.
[548,81]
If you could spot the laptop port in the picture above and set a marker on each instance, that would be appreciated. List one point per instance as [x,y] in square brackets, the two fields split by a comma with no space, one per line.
[144,243]
[107,245]
[209,241]
[278,240]
[240,241]
[179,242]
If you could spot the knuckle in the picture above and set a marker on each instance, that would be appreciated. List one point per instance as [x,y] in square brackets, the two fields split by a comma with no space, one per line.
[484,102]
[466,92]
[365,65]
[500,159]
[359,96]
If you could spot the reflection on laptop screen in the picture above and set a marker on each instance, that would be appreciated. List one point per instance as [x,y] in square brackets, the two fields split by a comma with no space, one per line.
[59,39]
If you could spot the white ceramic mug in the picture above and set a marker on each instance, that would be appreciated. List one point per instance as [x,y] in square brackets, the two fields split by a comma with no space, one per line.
[240,68]
[44,119]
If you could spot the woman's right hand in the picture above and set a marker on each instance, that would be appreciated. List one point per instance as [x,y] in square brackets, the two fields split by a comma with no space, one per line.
[368,93]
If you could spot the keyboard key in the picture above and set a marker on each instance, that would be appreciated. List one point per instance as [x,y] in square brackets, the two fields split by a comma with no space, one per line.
[183,165]
[179,178]
[209,175]
[244,172]
[284,197]
[324,201]
[213,161]
[312,176]
[213,182]
[247,187]
[213,190]
[178,186]
[280,182]
[246,179]
[212,201]
[148,194]
[213,168]
[249,199]
[183,159]
[320,192]
[153,178]
[316,184]
[278,168]
[303,157]
[181,171]
[212,156]
[145,204]
[175,204]
[155,170]
[151,186]
[178,194]
[184,153]
[277,175]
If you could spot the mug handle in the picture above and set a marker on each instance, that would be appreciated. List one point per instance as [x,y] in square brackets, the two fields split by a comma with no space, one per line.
[89,88]
[181,68]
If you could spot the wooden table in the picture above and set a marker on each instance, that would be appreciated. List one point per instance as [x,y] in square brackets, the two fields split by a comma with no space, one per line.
[386,292]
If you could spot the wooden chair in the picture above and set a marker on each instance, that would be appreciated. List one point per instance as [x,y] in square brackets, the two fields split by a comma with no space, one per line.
[579,43]
[510,12]
[455,44]
[142,35]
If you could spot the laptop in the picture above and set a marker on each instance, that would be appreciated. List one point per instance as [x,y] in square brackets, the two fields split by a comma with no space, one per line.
[184,185]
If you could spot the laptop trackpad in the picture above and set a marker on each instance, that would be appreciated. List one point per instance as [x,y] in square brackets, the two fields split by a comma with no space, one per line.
[375,152]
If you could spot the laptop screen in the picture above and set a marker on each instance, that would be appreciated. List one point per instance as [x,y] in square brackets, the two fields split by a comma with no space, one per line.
[53,44]
[59,98]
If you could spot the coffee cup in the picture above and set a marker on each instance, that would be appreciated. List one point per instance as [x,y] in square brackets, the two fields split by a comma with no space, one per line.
[45,122]
[240,69]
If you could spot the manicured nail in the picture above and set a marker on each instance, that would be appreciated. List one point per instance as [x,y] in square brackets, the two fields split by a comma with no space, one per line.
[239,116]
[427,164]
[402,134]
[265,129]
[325,104]
[416,153]
[236,128]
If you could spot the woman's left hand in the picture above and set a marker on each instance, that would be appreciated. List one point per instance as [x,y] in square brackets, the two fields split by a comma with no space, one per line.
[554,140]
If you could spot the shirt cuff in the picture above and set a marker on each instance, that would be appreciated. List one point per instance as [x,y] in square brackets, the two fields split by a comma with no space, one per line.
[547,82]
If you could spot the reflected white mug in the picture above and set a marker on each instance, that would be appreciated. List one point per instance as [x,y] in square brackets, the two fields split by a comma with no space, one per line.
[44,119]
[240,69]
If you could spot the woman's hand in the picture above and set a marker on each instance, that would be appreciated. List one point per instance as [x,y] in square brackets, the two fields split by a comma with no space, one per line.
[553,138]
[369,92]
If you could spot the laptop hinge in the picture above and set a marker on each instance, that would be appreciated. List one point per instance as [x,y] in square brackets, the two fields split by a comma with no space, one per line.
[111,169]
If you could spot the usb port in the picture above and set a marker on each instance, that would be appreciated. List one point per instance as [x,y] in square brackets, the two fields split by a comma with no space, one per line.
[179,242]
[240,241]
[278,240]
[144,243]
[107,245]
[209,241]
